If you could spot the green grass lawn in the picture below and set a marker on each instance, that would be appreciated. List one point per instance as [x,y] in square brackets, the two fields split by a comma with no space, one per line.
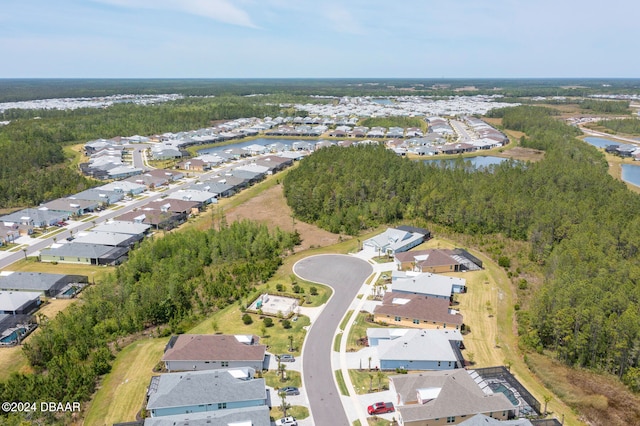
[359,331]
[369,381]
[121,395]
[272,379]
[297,411]
[342,386]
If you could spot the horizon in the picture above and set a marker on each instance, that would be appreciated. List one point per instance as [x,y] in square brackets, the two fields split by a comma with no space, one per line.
[283,39]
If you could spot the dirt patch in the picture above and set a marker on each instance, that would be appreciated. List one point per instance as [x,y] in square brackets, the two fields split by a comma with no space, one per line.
[270,208]
[522,154]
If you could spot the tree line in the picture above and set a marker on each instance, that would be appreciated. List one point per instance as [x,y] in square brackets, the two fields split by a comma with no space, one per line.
[582,226]
[169,281]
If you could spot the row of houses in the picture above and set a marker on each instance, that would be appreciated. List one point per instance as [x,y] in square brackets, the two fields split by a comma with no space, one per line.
[211,379]
[107,158]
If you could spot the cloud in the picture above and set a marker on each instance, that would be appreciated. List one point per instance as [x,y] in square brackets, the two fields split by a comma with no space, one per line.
[343,21]
[218,10]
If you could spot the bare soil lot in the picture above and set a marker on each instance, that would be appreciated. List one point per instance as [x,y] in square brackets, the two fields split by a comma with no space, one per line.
[270,208]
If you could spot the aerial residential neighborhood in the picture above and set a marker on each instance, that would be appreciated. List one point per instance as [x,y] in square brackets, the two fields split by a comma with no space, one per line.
[216,378]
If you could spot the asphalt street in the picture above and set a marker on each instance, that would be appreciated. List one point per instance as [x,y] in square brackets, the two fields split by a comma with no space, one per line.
[345,274]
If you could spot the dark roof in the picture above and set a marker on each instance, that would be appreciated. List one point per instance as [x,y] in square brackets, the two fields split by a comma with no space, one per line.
[418,307]
[214,347]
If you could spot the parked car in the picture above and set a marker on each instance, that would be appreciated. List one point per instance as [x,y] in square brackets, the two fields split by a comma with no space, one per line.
[380,408]
[290,390]
[286,358]
[287,421]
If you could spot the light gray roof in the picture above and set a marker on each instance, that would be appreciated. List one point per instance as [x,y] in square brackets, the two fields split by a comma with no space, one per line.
[104,238]
[122,186]
[122,227]
[36,215]
[482,420]
[248,416]
[92,251]
[458,395]
[393,238]
[418,345]
[14,300]
[204,387]
[69,204]
[36,281]
[425,283]
[192,195]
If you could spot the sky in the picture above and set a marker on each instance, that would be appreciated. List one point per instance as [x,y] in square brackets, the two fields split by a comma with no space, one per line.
[319,39]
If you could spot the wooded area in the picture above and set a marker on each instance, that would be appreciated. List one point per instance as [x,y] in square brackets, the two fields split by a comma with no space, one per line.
[583,226]
[169,281]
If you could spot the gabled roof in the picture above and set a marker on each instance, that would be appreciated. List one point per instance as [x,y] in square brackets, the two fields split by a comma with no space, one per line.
[459,395]
[122,227]
[428,258]
[36,281]
[416,306]
[246,416]
[83,250]
[11,301]
[215,347]
[425,283]
[204,387]
[421,345]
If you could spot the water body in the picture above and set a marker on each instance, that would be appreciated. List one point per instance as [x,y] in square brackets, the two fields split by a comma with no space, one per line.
[600,142]
[631,174]
[480,162]
[259,141]
[383,101]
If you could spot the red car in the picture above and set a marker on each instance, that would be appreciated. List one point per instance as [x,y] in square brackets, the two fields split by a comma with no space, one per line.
[380,408]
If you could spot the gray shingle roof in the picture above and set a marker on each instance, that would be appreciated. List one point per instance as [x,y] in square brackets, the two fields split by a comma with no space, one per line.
[204,387]
[253,416]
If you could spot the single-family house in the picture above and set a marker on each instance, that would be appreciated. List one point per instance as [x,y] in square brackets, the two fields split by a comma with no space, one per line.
[202,391]
[417,349]
[484,420]
[170,175]
[416,311]
[39,218]
[90,254]
[122,227]
[437,261]
[247,416]
[71,206]
[104,197]
[184,207]
[445,397]
[48,285]
[124,187]
[19,302]
[193,198]
[157,219]
[111,239]
[196,352]
[427,284]
[392,241]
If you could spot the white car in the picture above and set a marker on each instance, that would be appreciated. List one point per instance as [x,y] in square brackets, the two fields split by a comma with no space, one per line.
[287,421]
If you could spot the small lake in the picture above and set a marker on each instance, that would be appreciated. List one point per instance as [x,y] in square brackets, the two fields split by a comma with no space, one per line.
[383,101]
[600,142]
[480,162]
[259,141]
[631,174]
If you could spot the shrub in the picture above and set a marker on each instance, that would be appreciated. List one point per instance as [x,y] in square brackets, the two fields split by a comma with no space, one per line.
[280,287]
[297,289]
[246,319]
[504,261]
[286,324]
[313,290]
[268,322]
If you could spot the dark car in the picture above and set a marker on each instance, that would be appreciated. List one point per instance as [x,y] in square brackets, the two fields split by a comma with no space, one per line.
[380,408]
[290,390]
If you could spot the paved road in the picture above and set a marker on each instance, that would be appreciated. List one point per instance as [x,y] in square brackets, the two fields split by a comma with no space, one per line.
[345,274]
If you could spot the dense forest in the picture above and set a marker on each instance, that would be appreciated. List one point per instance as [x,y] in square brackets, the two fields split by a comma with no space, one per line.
[582,225]
[12,90]
[606,107]
[31,149]
[167,281]
[629,126]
